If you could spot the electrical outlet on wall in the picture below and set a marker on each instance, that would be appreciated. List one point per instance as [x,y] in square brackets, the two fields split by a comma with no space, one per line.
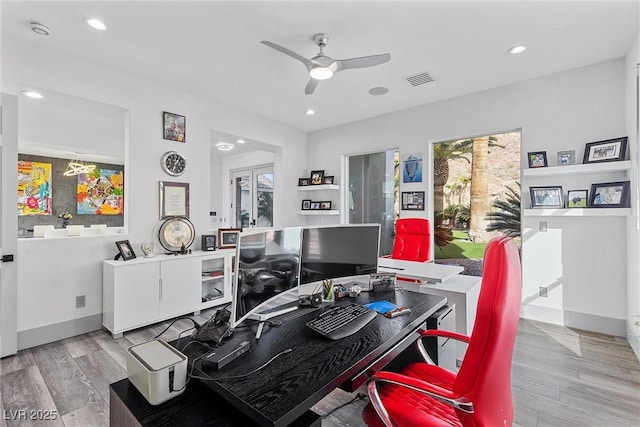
[80,301]
[542,226]
[542,291]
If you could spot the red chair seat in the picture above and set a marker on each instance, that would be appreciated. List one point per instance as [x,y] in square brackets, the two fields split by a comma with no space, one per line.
[426,411]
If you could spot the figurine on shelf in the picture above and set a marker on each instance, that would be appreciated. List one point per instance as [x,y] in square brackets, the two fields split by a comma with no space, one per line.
[65,217]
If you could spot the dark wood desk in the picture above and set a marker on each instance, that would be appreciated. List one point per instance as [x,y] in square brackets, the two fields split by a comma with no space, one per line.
[282,393]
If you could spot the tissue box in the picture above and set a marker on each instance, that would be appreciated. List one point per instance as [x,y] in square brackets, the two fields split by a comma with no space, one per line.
[157,370]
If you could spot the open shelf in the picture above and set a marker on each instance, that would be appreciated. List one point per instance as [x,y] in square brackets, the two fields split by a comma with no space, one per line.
[573,212]
[319,187]
[319,212]
[581,169]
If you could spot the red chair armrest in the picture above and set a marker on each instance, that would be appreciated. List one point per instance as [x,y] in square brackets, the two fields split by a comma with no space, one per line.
[439,393]
[443,333]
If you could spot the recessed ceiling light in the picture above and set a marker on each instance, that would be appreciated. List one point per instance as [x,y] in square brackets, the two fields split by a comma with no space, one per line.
[240,141]
[309,112]
[32,94]
[224,146]
[95,23]
[516,50]
[379,90]
[40,29]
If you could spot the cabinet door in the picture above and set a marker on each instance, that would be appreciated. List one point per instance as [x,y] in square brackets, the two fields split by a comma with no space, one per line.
[136,296]
[180,291]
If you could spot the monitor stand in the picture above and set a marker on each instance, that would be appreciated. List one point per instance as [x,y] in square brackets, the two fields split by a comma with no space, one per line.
[268,314]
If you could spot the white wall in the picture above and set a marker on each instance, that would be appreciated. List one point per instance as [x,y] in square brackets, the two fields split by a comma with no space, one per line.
[559,112]
[632,121]
[41,68]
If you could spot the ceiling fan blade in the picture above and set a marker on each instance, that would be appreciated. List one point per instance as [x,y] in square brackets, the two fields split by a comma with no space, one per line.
[286,51]
[362,62]
[311,86]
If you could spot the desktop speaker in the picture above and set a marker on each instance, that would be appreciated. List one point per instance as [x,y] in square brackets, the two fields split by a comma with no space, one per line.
[314,300]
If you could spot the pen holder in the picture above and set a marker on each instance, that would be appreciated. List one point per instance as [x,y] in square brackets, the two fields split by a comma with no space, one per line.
[328,294]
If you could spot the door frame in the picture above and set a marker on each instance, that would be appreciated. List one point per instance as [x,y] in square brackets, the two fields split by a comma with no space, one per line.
[253,190]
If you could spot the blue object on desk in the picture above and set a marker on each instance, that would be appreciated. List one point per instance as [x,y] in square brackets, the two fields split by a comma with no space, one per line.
[381,306]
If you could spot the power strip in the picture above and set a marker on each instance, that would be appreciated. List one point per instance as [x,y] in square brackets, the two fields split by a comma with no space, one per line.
[219,357]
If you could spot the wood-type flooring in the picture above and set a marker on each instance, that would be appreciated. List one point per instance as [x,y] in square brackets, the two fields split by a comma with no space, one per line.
[561,377]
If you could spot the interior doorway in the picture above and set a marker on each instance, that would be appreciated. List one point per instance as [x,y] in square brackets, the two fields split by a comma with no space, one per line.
[476,196]
[252,197]
[373,192]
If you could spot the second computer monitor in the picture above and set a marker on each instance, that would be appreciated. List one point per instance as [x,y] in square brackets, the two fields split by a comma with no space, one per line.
[339,251]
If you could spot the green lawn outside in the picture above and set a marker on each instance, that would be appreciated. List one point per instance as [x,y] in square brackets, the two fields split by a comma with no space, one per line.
[461,247]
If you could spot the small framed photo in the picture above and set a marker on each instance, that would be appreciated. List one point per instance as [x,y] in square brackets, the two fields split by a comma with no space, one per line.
[546,197]
[303,182]
[174,199]
[327,179]
[610,195]
[173,126]
[208,242]
[537,159]
[413,200]
[325,206]
[316,177]
[306,205]
[125,250]
[610,150]
[577,198]
[228,237]
[315,206]
[566,157]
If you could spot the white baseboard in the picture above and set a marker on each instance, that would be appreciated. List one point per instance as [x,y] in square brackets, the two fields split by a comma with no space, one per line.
[633,340]
[50,333]
[571,319]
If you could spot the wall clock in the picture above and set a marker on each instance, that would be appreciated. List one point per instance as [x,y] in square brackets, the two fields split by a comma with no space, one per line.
[173,163]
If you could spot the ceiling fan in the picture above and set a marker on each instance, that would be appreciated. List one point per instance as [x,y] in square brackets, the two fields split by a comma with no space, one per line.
[322,67]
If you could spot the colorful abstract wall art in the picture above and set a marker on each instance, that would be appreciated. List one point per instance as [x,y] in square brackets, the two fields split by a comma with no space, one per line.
[34,188]
[101,192]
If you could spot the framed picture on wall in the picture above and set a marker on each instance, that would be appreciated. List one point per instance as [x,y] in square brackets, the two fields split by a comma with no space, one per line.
[412,168]
[316,177]
[566,157]
[173,127]
[413,200]
[174,199]
[537,159]
[306,205]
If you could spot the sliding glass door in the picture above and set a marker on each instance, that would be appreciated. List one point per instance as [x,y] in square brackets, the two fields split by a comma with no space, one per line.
[373,193]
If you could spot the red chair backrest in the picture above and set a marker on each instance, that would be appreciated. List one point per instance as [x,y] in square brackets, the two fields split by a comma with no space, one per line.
[485,374]
[413,239]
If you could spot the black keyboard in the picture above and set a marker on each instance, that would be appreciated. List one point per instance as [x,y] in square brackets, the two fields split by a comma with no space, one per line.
[342,321]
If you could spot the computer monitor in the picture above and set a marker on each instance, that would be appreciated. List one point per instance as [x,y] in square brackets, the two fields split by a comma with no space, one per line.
[339,251]
[267,265]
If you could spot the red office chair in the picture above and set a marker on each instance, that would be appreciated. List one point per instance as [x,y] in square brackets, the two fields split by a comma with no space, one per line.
[413,240]
[479,394]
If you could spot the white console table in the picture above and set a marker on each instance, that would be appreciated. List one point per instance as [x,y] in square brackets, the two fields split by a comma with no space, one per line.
[427,271]
[460,290]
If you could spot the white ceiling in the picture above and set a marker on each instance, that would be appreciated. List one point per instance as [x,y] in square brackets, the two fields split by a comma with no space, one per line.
[213,49]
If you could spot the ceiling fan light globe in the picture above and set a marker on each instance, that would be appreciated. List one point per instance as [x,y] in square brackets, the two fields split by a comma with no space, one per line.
[321,73]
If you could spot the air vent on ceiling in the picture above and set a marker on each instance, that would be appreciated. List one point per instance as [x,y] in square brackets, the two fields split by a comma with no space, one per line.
[419,79]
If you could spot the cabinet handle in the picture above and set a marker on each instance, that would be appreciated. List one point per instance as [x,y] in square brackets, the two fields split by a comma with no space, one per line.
[160,289]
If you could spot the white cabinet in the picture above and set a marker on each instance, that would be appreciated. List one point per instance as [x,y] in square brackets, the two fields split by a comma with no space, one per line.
[142,291]
[581,176]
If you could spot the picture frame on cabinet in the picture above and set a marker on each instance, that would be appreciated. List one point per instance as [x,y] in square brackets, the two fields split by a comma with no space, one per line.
[566,157]
[577,198]
[550,197]
[208,242]
[303,182]
[125,251]
[610,195]
[327,179]
[537,159]
[174,127]
[325,206]
[610,150]
[316,177]
[228,237]
[306,205]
